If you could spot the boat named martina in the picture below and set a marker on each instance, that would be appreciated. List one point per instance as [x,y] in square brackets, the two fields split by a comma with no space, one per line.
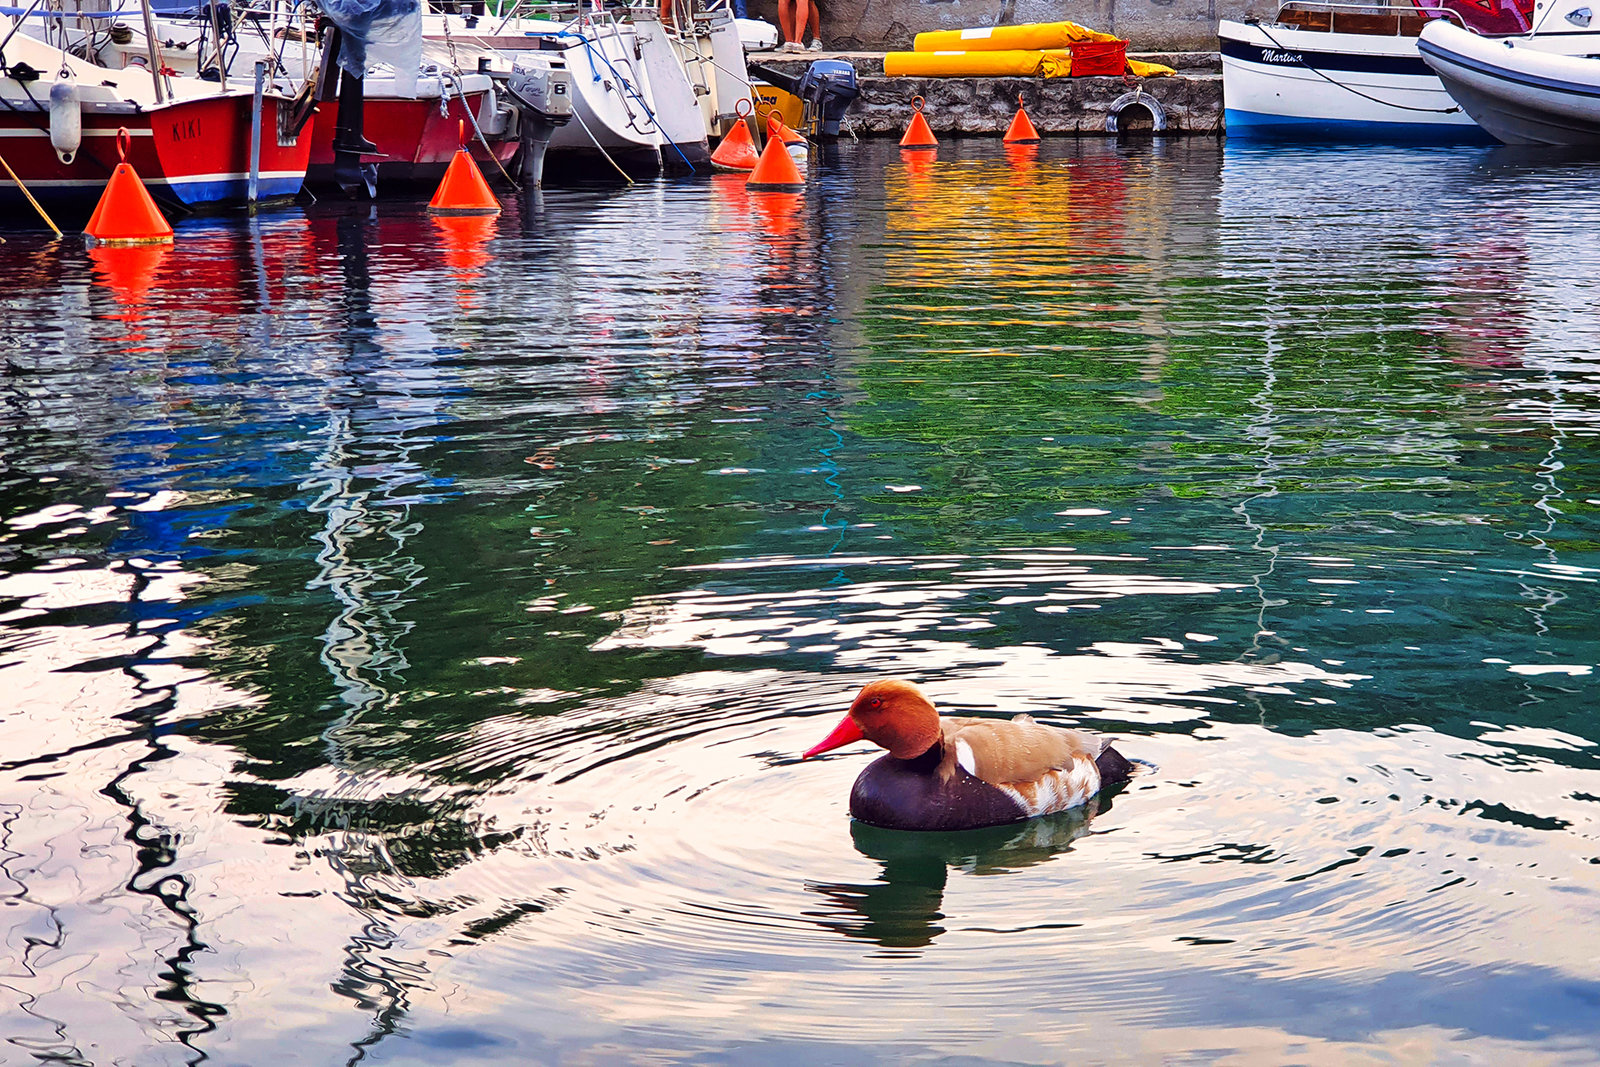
[1336,71]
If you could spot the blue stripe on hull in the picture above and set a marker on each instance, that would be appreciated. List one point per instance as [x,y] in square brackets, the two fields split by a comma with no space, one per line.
[1256,124]
[234,189]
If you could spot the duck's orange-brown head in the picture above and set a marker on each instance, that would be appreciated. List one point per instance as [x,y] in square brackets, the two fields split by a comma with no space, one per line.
[892,714]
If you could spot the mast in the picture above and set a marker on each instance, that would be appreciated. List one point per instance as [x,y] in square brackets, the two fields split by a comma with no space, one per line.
[153,49]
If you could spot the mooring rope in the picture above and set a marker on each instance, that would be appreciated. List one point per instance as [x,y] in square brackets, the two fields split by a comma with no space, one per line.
[445,77]
[1298,58]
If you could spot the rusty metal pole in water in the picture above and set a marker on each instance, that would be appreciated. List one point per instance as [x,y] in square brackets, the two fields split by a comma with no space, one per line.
[255,132]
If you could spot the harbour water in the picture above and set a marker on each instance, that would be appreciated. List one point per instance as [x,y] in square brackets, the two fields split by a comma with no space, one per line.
[409,628]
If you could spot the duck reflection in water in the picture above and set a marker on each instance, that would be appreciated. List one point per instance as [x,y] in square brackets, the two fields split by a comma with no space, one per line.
[904,908]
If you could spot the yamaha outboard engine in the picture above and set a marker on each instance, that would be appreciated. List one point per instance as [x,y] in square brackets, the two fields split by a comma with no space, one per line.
[828,88]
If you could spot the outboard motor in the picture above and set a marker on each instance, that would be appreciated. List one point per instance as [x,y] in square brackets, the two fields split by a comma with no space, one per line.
[542,88]
[349,131]
[827,88]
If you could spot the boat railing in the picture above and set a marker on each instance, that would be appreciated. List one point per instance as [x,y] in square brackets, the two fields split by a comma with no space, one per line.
[1369,19]
[212,35]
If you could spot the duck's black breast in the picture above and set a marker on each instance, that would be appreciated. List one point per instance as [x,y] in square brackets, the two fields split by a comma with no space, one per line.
[901,794]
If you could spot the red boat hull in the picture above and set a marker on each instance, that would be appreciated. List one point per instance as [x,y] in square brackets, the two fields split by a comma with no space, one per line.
[415,142]
[192,151]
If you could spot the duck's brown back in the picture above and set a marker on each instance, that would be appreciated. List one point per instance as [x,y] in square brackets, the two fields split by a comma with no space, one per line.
[1004,751]
[1043,768]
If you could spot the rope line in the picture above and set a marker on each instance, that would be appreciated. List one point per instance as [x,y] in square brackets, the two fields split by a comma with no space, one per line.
[1298,58]
[590,47]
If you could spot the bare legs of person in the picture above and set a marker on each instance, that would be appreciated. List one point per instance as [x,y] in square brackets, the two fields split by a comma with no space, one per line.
[786,24]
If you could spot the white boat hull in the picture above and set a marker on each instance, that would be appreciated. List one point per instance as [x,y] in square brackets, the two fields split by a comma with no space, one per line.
[1519,92]
[610,94]
[1280,80]
[609,100]
[675,106]
[731,76]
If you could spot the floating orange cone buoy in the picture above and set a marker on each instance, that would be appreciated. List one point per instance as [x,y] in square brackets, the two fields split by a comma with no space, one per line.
[126,215]
[738,149]
[787,135]
[776,127]
[918,135]
[1021,130]
[463,190]
[775,169]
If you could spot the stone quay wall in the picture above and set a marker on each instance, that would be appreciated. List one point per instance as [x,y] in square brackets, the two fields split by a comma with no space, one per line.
[1191,101]
[1148,25]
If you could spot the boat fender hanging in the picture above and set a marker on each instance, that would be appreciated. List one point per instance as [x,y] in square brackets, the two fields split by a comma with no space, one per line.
[66,120]
[1139,98]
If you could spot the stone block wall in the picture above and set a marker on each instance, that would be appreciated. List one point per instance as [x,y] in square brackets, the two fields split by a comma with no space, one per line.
[1148,25]
[1190,101]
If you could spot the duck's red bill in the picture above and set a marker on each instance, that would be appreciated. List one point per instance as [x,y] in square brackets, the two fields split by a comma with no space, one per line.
[846,732]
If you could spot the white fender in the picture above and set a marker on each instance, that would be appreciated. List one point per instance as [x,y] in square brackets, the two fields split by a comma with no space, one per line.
[66,120]
[1158,114]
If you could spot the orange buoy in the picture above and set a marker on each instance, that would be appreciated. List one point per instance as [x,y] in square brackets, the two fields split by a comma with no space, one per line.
[785,134]
[918,135]
[126,215]
[738,149]
[1021,130]
[775,169]
[463,190]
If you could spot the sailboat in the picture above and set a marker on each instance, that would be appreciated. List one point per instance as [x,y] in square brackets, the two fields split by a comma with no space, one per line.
[401,123]
[65,124]
[646,97]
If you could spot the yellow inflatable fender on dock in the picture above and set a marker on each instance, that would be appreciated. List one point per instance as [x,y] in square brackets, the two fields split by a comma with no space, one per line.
[1030,36]
[1026,64]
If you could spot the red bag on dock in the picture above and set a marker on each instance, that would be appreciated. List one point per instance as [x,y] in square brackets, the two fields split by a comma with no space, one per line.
[1098,58]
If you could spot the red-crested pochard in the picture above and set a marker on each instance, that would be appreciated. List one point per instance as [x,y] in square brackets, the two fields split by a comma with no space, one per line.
[948,773]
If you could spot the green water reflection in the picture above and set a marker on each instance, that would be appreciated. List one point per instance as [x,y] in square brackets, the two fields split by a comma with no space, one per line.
[413,628]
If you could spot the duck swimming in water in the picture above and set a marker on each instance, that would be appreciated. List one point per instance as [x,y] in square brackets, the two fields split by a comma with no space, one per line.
[949,773]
